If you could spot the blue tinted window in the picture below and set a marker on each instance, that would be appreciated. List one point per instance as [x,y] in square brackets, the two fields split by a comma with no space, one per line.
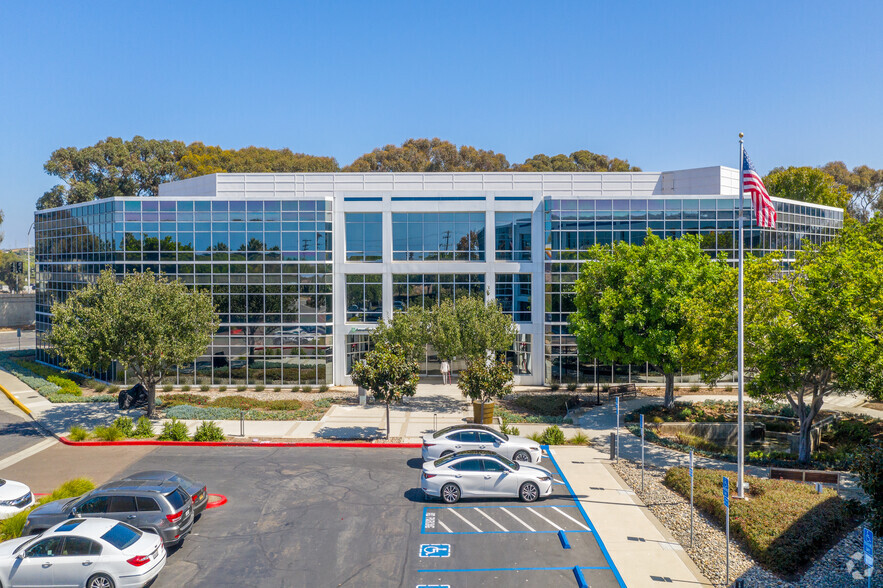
[439,236]
[364,236]
[512,233]
[513,294]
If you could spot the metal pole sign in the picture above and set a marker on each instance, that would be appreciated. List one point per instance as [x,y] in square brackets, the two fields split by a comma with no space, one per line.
[727,506]
[617,427]
[691,498]
[642,454]
[868,537]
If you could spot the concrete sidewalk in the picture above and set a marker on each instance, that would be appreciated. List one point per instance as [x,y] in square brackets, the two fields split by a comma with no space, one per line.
[640,546]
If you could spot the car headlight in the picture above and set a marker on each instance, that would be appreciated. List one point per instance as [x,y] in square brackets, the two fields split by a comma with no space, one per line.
[544,478]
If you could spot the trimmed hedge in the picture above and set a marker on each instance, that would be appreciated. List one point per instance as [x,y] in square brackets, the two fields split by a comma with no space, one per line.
[48,382]
[784,525]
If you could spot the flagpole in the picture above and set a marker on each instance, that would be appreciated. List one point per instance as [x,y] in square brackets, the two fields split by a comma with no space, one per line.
[741,324]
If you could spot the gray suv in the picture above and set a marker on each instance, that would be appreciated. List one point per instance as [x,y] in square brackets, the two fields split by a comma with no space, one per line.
[163,508]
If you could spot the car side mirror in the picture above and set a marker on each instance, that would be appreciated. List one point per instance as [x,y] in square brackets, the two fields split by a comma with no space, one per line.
[75,512]
[21,555]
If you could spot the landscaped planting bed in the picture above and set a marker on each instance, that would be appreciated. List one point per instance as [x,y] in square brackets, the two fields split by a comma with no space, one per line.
[783,525]
[54,384]
[201,407]
[542,407]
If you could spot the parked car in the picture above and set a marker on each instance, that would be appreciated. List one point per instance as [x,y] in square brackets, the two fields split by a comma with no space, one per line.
[483,474]
[196,490]
[466,437]
[14,498]
[163,508]
[90,553]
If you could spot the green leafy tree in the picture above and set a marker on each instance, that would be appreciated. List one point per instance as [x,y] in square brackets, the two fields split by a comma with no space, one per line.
[388,374]
[806,184]
[406,329]
[428,155]
[200,159]
[444,331]
[486,378]
[632,302]
[865,186]
[113,167]
[144,322]
[484,327]
[578,161]
[815,332]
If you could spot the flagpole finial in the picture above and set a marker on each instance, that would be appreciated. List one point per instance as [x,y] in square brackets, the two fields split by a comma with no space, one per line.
[741,135]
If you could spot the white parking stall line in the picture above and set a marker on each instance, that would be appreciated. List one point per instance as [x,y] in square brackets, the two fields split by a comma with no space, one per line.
[484,514]
[519,520]
[544,518]
[444,526]
[464,519]
[564,514]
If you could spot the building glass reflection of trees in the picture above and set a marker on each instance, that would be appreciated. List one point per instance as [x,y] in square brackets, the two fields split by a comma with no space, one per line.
[267,265]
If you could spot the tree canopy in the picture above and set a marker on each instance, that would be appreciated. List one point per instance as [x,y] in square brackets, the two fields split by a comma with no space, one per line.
[815,331]
[865,186]
[578,161]
[117,167]
[388,373]
[144,322]
[428,155]
[200,160]
[806,184]
[112,167]
[632,302]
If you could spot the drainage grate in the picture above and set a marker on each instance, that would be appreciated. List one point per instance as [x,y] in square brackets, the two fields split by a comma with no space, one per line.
[595,488]
[641,539]
[664,579]
[578,462]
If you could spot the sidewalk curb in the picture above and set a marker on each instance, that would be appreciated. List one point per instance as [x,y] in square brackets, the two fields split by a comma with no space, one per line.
[15,401]
[141,442]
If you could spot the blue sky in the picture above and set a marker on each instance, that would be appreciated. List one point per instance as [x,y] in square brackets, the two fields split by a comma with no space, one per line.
[667,85]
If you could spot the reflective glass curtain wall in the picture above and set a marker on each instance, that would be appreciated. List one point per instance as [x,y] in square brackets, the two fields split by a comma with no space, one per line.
[267,265]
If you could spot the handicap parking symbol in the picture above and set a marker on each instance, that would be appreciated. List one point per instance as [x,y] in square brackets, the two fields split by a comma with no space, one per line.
[435,550]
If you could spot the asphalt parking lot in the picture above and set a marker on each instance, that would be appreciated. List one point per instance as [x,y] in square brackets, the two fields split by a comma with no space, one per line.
[299,517]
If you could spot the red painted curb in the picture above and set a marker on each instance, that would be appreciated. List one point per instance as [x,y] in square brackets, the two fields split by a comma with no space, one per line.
[221,501]
[136,442]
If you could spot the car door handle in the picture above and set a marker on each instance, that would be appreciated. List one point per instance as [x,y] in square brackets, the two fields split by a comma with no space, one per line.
[131,516]
[488,477]
[87,563]
[47,565]
[458,476]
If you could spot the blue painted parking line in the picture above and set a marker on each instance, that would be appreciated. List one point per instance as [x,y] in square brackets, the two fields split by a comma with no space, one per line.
[588,521]
[513,569]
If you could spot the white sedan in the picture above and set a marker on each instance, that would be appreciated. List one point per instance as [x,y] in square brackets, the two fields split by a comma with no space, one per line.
[83,553]
[479,437]
[14,498]
[483,474]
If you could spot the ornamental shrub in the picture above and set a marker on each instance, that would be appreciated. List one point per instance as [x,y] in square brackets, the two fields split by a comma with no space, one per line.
[174,430]
[110,433]
[553,436]
[143,428]
[869,465]
[125,426]
[78,434]
[209,431]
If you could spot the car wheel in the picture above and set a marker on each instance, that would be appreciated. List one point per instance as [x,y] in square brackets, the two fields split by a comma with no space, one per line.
[521,455]
[100,581]
[450,493]
[529,492]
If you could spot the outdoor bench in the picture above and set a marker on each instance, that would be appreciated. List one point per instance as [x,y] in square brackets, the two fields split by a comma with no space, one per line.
[623,390]
[811,476]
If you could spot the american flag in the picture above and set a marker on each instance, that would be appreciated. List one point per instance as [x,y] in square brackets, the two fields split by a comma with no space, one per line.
[752,184]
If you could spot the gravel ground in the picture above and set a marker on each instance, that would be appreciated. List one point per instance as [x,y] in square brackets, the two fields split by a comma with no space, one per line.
[834,569]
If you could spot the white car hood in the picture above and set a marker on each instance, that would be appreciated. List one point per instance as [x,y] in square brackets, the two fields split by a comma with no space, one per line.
[7,547]
[12,490]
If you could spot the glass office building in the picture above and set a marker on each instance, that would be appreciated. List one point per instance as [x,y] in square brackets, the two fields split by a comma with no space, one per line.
[302,266]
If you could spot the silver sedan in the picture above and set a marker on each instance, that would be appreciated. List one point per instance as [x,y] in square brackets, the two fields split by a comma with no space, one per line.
[479,437]
[483,474]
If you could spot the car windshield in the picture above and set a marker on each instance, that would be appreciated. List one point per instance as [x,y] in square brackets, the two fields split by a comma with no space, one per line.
[122,535]
[27,544]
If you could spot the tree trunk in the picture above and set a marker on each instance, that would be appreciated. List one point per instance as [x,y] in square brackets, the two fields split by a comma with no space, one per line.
[387,421]
[669,390]
[151,399]
[804,442]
